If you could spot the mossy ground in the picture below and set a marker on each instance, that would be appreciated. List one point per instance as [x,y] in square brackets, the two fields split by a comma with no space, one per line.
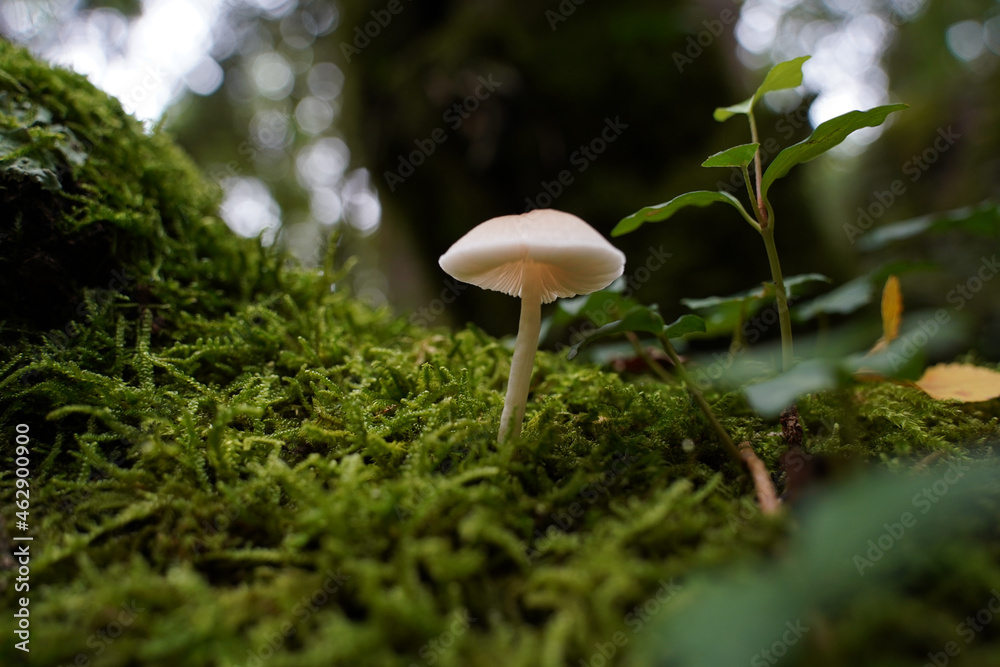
[233,462]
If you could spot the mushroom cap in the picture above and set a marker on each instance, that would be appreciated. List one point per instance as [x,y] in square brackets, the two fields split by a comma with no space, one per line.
[559,250]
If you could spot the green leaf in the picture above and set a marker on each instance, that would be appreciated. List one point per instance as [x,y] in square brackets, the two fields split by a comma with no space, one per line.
[783,75]
[823,138]
[886,234]
[608,301]
[762,291]
[793,282]
[725,318]
[725,313]
[641,318]
[684,325]
[709,302]
[822,571]
[770,397]
[665,210]
[737,156]
[891,362]
[847,298]
[646,319]
[855,293]
[922,336]
[982,219]
[725,113]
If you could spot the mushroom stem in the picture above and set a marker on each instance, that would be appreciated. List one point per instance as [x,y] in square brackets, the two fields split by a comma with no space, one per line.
[523,361]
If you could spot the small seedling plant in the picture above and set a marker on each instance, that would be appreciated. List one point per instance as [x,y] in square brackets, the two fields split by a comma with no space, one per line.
[759,214]
[827,135]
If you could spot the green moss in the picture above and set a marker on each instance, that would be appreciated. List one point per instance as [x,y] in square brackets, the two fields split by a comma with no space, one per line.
[239,461]
[96,202]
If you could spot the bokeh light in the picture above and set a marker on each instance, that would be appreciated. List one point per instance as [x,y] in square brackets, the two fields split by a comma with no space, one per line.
[172,49]
[249,209]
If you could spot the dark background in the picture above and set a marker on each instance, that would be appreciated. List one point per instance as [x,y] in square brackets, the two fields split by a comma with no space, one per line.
[562,75]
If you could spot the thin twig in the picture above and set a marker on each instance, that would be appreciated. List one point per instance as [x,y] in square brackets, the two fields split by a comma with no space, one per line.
[925,462]
[744,455]
[720,431]
[767,497]
[644,354]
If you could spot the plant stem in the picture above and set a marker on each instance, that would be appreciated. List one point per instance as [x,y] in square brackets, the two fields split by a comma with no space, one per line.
[744,455]
[765,217]
[523,361]
[720,431]
[647,357]
[780,297]
[753,198]
[758,172]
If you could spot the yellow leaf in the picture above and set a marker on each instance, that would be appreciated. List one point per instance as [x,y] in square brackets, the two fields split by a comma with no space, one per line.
[892,313]
[960,382]
[892,309]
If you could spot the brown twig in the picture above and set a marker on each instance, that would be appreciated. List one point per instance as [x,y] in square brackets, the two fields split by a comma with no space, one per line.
[767,497]
[925,462]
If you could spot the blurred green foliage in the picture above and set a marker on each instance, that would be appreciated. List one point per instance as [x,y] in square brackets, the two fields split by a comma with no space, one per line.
[559,82]
[561,71]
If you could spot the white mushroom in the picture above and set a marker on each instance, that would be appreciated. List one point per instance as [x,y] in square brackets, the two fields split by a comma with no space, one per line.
[539,256]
